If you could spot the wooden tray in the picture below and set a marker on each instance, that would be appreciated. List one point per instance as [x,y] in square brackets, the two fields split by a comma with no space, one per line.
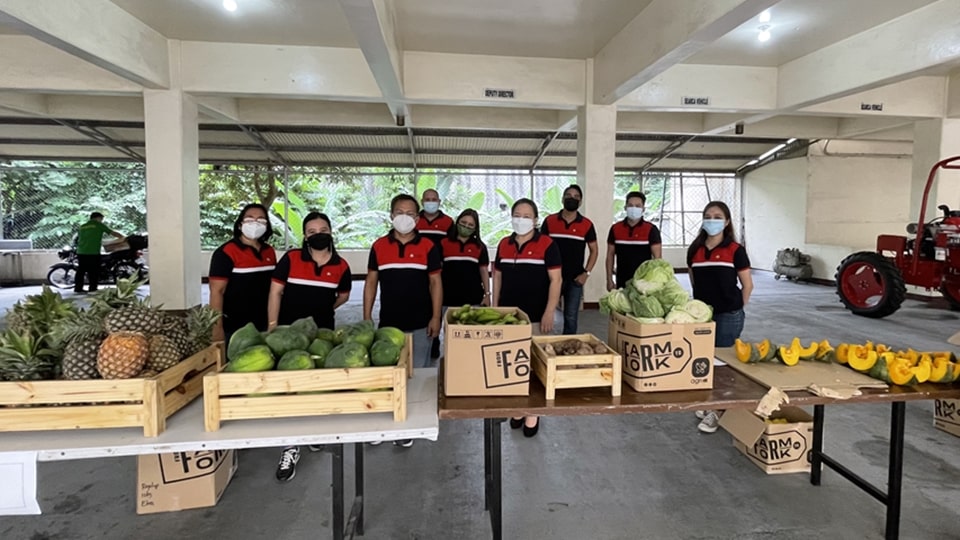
[106,403]
[586,371]
[800,376]
[283,394]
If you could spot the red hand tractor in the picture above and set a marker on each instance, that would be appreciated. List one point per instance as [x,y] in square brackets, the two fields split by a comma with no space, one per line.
[873,284]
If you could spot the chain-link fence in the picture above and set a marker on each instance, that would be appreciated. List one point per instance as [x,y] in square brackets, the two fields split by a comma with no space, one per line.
[45,203]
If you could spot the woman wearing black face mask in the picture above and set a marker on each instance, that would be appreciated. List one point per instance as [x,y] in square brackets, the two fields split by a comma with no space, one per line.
[312,281]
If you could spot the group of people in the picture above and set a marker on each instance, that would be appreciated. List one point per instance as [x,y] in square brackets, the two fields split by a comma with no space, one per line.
[429,261]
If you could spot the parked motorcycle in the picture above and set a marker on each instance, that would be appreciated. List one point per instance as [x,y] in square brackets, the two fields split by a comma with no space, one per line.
[124,260]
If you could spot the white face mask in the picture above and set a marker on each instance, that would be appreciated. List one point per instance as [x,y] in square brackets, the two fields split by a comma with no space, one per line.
[403,224]
[253,229]
[522,225]
[431,207]
[634,213]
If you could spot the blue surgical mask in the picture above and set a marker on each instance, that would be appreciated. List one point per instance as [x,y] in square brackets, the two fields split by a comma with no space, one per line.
[431,207]
[634,213]
[714,226]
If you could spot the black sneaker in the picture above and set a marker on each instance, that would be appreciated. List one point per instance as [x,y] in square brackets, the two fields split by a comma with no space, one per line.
[435,349]
[287,468]
[404,443]
[316,447]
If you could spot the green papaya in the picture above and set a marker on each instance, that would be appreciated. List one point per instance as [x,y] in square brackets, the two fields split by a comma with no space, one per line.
[306,326]
[327,334]
[384,353]
[319,350]
[359,334]
[256,358]
[391,334]
[284,339]
[243,339]
[347,355]
[295,360]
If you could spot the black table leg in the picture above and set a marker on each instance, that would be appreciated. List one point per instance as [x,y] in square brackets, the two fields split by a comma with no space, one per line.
[487,428]
[816,454]
[493,492]
[337,453]
[355,519]
[895,472]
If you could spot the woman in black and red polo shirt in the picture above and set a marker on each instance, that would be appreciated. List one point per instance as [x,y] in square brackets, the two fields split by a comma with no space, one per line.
[465,275]
[526,274]
[240,273]
[720,274]
[309,282]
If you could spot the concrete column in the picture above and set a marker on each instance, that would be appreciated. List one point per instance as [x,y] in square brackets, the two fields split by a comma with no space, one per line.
[935,140]
[596,155]
[173,197]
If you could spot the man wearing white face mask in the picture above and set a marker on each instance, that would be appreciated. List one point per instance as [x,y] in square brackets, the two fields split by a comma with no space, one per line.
[406,267]
[631,242]
[435,225]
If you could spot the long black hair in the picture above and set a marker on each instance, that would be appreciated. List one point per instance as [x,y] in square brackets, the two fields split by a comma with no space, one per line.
[237,232]
[454,232]
[312,216]
[536,211]
[701,239]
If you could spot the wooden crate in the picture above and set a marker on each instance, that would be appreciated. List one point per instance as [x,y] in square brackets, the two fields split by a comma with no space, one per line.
[282,394]
[106,403]
[559,372]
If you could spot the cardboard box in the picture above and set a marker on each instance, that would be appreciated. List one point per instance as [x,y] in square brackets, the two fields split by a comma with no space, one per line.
[182,480]
[775,448]
[946,415]
[660,357]
[487,360]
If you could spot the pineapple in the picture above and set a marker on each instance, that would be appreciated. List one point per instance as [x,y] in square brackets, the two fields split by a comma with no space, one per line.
[24,357]
[164,354]
[38,313]
[142,319]
[123,355]
[175,328]
[80,336]
[123,295]
[200,323]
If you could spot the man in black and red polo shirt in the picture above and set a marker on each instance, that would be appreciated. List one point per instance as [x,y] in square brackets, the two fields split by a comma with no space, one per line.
[631,242]
[572,232]
[434,225]
[406,266]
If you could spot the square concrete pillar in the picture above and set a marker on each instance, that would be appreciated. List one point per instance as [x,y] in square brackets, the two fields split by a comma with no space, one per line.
[596,159]
[173,197]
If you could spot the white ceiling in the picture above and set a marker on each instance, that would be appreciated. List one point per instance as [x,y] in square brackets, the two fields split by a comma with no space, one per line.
[274,22]
[537,28]
[800,27]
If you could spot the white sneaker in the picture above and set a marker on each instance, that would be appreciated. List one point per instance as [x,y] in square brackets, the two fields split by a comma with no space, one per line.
[700,414]
[709,423]
[375,443]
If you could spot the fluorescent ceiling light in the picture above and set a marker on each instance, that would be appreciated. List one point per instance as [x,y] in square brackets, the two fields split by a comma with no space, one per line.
[754,162]
[230,5]
[791,141]
[771,151]
[764,34]
[765,16]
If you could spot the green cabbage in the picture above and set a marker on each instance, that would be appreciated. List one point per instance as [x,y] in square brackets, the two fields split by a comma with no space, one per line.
[700,311]
[671,295]
[615,301]
[656,270]
[677,316]
[646,287]
[644,306]
[649,320]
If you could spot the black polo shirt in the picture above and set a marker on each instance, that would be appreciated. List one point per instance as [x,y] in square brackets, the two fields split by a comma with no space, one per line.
[632,244]
[310,290]
[571,238]
[524,281]
[404,272]
[436,229]
[715,278]
[247,273]
[462,262]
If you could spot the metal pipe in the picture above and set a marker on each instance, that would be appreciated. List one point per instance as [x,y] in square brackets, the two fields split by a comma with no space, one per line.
[286,208]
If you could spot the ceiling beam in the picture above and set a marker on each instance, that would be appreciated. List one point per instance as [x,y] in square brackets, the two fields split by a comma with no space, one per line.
[899,49]
[920,97]
[32,104]
[98,32]
[664,34]
[263,145]
[373,23]
[728,88]
[32,66]
[953,95]
[102,139]
[219,108]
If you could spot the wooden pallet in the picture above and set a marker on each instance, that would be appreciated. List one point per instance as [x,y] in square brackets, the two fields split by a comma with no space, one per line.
[106,403]
[560,372]
[282,394]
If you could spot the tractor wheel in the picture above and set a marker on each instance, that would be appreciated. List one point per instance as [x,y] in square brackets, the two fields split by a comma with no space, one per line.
[870,285]
[952,293]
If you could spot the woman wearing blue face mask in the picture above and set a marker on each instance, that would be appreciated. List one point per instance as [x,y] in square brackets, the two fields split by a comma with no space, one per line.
[720,274]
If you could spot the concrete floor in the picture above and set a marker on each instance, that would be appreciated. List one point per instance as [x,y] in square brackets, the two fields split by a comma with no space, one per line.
[619,477]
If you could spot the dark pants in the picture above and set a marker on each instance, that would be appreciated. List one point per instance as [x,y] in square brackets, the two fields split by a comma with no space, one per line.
[89,266]
[572,293]
[729,326]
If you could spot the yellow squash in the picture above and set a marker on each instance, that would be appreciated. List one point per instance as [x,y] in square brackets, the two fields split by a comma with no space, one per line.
[861,358]
[790,355]
[825,352]
[843,351]
[746,353]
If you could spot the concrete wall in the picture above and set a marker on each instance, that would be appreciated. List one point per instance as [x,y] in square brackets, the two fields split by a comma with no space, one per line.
[827,205]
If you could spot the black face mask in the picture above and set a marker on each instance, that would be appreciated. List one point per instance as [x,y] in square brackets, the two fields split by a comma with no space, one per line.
[320,241]
[570,204]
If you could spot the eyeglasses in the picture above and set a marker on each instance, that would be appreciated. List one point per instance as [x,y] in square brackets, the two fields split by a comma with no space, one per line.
[262,221]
